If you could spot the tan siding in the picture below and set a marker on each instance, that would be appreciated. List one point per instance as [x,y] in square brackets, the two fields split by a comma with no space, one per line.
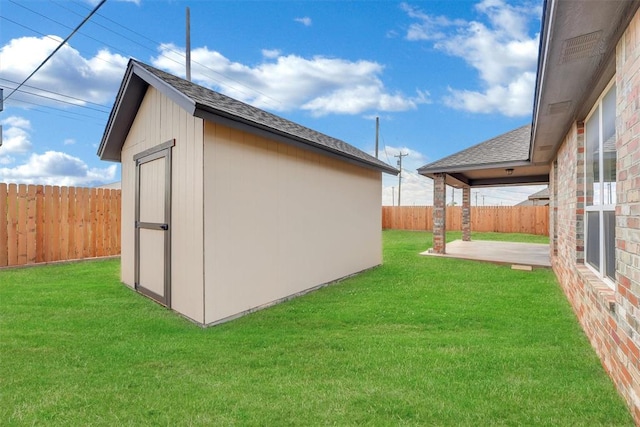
[281,220]
[159,120]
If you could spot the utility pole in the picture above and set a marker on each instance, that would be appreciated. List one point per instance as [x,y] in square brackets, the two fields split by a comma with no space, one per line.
[393,196]
[483,200]
[400,156]
[476,199]
[453,194]
[377,133]
[188,47]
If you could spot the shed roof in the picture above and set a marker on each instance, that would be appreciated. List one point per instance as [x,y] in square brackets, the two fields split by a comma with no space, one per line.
[213,106]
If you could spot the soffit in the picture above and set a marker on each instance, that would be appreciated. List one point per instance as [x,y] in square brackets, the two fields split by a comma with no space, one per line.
[577,60]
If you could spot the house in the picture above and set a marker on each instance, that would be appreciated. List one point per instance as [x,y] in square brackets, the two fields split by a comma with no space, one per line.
[585,134]
[540,198]
[227,208]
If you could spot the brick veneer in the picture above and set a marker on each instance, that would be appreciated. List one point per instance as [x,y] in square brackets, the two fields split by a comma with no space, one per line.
[466,214]
[609,317]
[439,213]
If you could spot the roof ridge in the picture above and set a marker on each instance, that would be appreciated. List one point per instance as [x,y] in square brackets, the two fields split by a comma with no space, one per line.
[203,97]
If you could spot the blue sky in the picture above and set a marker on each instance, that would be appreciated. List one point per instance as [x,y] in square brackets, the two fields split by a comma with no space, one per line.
[440,75]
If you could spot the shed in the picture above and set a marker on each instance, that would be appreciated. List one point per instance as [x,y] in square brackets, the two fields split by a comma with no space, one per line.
[227,208]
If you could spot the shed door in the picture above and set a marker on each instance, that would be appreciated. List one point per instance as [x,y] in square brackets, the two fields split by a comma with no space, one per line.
[153,223]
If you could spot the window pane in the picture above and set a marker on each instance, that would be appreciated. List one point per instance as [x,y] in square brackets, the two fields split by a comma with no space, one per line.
[609,147]
[591,164]
[610,244]
[593,239]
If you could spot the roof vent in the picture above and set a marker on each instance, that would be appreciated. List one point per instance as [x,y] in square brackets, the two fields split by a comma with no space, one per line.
[580,47]
[558,107]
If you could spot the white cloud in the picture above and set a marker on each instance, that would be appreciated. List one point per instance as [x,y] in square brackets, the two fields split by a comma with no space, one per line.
[306,21]
[94,79]
[69,141]
[56,168]
[499,48]
[15,138]
[319,84]
[271,53]
[428,27]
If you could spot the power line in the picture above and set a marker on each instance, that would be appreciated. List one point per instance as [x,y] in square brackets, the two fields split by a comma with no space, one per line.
[178,53]
[61,100]
[97,120]
[182,55]
[68,27]
[57,48]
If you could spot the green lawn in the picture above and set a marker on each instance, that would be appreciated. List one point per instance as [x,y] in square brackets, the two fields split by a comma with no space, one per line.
[418,341]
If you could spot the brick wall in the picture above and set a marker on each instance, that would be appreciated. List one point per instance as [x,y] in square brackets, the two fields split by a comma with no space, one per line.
[439,213]
[609,317]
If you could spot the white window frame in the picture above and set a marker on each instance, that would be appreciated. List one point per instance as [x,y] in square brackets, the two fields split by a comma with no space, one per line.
[599,207]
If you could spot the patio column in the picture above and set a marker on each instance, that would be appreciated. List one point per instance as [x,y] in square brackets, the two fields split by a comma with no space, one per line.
[439,213]
[466,214]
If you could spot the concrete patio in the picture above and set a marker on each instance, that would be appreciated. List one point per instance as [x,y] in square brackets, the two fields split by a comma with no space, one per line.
[521,254]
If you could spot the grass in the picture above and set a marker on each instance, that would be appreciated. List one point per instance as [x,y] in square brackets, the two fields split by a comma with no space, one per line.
[418,341]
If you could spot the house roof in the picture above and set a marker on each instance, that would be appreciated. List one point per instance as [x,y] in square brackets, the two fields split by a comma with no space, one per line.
[213,106]
[542,194]
[541,198]
[576,61]
[488,162]
[512,146]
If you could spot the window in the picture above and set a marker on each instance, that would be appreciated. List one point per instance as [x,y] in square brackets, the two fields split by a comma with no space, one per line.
[600,186]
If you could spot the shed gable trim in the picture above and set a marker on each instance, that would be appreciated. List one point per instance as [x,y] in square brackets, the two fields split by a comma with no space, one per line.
[205,103]
[186,103]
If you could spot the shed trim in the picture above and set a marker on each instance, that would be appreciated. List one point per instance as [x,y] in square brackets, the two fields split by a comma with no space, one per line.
[207,104]
[186,103]
[170,143]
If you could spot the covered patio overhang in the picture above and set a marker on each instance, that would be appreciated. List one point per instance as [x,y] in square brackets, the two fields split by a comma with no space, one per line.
[500,161]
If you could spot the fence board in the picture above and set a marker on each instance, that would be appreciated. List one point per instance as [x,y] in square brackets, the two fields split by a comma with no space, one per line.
[64,223]
[40,225]
[12,229]
[86,244]
[4,224]
[49,223]
[502,219]
[71,232]
[55,238]
[21,226]
[79,210]
[99,234]
[31,225]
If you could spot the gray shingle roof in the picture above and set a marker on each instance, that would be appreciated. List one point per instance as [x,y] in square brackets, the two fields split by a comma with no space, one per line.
[542,194]
[512,146]
[221,105]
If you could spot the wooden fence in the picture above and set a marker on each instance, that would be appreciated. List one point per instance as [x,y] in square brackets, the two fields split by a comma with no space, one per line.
[503,219]
[44,224]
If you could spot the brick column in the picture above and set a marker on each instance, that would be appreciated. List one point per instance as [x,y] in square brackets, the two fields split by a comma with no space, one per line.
[466,214]
[439,213]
